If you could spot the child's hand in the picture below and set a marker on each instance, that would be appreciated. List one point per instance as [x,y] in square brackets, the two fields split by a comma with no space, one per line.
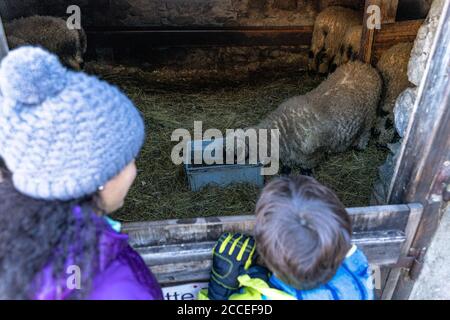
[232,256]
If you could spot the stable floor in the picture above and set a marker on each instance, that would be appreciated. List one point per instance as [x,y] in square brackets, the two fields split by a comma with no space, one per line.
[172,99]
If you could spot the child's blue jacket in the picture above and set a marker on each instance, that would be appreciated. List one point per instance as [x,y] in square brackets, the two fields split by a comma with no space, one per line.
[353,281]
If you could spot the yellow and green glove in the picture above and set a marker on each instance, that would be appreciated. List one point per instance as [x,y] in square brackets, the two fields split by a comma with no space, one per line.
[233,255]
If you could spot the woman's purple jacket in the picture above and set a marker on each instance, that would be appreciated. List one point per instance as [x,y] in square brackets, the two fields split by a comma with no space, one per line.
[121,274]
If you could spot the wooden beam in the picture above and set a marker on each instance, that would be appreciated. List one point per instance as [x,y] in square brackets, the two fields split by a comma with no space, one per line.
[204,37]
[403,31]
[388,12]
[368,34]
[169,232]
[191,262]
[138,38]
[179,251]
[393,275]
[393,33]
[422,170]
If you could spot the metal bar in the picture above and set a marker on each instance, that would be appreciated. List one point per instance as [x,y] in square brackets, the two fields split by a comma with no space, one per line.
[4,48]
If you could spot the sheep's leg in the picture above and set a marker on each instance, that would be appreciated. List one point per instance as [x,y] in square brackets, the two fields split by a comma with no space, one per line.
[385,130]
[285,170]
[363,140]
[307,172]
[307,163]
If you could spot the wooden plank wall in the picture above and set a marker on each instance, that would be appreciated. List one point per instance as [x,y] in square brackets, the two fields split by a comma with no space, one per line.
[389,35]
[179,251]
[201,37]
[423,167]
[168,232]
[393,33]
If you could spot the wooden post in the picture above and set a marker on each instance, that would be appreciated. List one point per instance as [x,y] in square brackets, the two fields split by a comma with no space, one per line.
[423,168]
[388,11]
[367,36]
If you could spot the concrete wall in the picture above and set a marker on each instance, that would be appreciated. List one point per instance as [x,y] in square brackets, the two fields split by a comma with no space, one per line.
[181,12]
[196,12]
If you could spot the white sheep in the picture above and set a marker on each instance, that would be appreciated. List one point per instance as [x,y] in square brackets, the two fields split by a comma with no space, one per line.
[330,29]
[331,118]
[350,47]
[50,33]
[393,67]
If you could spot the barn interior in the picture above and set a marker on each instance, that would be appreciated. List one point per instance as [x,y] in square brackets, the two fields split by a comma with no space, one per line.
[227,63]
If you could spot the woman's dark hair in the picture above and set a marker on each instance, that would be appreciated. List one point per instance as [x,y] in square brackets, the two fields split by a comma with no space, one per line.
[34,233]
[302,231]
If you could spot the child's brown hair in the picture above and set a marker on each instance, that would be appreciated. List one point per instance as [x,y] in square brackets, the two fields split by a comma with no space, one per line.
[303,231]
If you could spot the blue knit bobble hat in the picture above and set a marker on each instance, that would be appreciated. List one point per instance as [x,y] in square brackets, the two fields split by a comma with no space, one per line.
[32,75]
[63,134]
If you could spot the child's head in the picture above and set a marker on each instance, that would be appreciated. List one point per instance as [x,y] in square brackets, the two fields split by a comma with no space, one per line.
[65,135]
[302,231]
[67,147]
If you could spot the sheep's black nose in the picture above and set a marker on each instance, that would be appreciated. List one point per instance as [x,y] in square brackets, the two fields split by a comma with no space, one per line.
[82,64]
[333,67]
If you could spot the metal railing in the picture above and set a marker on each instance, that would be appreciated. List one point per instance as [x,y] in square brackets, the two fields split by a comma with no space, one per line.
[4,49]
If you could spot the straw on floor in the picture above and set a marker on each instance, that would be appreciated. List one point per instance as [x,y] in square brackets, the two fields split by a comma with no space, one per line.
[171,99]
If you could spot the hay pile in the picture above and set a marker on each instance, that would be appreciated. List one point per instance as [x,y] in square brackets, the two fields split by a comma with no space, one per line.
[170,100]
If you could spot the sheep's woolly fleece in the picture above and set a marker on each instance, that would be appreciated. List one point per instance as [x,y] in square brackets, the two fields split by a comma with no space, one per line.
[336,115]
[330,28]
[50,33]
[393,67]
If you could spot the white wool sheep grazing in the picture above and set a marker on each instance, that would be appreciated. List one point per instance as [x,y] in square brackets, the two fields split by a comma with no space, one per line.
[350,47]
[330,29]
[50,33]
[393,67]
[333,117]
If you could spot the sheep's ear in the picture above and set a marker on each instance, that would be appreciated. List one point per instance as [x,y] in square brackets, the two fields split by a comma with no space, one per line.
[83,40]
[15,42]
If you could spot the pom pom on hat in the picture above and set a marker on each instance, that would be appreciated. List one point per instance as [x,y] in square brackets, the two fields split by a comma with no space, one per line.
[30,75]
[62,133]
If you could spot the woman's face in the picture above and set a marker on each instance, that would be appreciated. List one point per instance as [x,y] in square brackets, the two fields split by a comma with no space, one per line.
[113,195]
